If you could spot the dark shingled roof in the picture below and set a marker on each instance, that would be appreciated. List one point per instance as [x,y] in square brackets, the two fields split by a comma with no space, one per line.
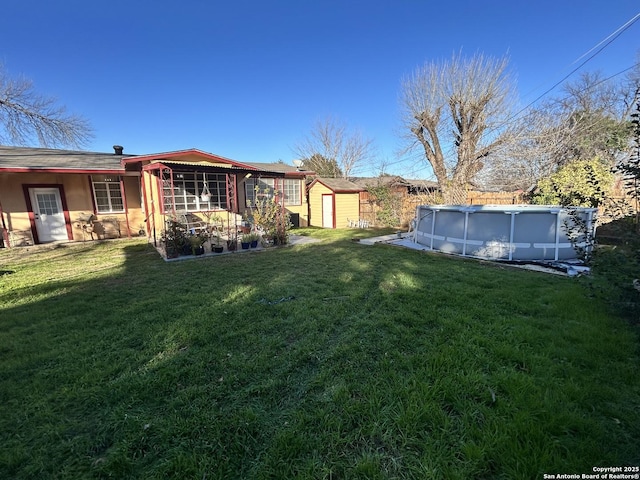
[48,158]
[73,160]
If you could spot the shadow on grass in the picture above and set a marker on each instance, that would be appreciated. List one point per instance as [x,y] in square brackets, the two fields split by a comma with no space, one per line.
[334,359]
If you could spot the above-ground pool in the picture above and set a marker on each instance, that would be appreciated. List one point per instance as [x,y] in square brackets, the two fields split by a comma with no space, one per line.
[505,232]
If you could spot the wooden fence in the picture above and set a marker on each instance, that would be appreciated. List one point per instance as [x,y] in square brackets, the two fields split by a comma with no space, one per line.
[406,206]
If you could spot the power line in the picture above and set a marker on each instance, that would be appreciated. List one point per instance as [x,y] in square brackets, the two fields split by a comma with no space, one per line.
[620,29]
[608,41]
[613,76]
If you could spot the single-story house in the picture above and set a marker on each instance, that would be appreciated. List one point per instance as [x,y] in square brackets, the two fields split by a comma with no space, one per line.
[51,195]
[333,202]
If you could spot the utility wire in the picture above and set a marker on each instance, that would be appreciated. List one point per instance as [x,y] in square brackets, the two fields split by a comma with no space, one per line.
[608,41]
[620,29]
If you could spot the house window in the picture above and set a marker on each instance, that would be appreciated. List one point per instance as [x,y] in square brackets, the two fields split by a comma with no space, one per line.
[266,187]
[292,192]
[107,194]
[194,191]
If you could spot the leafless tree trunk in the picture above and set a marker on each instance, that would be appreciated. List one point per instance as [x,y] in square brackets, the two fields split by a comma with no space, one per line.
[456,111]
[342,151]
[26,117]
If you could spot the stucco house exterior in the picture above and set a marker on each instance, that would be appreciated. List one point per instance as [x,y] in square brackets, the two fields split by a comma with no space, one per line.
[49,195]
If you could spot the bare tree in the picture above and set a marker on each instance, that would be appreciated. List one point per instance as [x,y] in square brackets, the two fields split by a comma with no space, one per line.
[587,120]
[631,85]
[26,116]
[456,111]
[529,156]
[340,152]
[593,114]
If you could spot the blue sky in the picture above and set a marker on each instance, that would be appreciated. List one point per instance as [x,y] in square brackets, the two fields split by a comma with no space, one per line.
[247,79]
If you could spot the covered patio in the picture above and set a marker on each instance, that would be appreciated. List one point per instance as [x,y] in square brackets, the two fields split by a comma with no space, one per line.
[204,195]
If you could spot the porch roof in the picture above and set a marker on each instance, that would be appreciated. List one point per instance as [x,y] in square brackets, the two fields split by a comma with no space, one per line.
[206,167]
[194,159]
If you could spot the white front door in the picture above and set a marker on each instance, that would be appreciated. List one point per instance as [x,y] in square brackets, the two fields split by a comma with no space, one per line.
[48,214]
[327,211]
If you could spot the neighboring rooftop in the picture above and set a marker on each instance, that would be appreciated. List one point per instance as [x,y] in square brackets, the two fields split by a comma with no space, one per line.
[394,180]
[278,167]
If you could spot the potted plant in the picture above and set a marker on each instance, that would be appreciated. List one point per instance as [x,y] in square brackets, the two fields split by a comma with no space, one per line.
[267,240]
[232,240]
[245,241]
[205,195]
[215,242]
[170,250]
[196,243]
[174,238]
[213,229]
[252,238]
[270,216]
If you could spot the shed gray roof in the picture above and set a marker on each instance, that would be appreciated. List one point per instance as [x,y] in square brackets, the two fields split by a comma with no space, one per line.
[339,184]
[54,159]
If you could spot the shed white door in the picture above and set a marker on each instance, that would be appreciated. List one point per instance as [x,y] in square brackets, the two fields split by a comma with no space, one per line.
[327,211]
[48,214]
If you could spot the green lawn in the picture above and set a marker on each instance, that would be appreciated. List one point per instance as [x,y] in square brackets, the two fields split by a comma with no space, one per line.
[331,360]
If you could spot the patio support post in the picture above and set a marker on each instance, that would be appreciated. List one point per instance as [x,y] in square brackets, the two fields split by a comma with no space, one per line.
[234,186]
[153,209]
[3,226]
[173,191]
[124,204]
[232,198]
[143,187]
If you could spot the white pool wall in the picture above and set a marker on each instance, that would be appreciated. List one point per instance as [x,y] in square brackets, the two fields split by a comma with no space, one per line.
[500,232]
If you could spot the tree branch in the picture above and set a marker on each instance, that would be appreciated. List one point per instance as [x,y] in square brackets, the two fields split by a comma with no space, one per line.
[26,117]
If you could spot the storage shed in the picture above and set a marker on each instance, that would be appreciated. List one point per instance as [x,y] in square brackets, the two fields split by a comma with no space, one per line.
[333,202]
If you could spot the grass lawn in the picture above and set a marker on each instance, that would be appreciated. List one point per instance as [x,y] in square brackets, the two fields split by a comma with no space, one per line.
[331,360]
